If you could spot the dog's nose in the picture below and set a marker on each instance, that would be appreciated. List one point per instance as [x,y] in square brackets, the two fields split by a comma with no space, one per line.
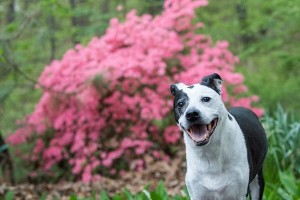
[192,115]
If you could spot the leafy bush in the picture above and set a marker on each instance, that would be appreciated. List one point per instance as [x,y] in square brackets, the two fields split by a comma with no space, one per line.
[106,104]
[160,193]
[284,138]
[282,167]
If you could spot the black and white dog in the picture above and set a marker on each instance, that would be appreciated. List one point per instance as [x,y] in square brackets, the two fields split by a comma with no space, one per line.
[225,150]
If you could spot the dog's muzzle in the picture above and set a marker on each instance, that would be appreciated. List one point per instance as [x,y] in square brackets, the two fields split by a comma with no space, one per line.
[200,133]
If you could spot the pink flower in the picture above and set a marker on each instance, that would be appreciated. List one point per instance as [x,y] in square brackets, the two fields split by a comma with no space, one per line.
[39,146]
[240,89]
[87,174]
[172,134]
[119,7]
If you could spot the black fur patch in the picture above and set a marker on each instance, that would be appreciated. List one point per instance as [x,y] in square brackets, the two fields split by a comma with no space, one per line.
[255,137]
[209,81]
[174,89]
[179,110]
[261,183]
[190,87]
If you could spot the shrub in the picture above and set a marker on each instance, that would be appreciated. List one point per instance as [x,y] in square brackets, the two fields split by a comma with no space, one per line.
[284,138]
[106,104]
[282,166]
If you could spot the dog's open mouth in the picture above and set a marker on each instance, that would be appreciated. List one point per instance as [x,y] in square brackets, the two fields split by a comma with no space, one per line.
[200,133]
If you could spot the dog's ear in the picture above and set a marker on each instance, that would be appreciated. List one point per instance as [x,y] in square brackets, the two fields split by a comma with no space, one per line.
[213,81]
[174,88]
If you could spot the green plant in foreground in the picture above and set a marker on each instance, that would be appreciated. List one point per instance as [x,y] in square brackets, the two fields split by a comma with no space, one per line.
[282,166]
[284,138]
[9,195]
[160,193]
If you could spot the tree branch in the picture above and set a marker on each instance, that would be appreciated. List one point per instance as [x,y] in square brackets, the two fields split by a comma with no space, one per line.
[20,31]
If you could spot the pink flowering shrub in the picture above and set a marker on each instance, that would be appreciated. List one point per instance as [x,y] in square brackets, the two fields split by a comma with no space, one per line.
[107,104]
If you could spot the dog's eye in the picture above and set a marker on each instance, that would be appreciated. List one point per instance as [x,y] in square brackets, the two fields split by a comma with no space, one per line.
[180,104]
[206,99]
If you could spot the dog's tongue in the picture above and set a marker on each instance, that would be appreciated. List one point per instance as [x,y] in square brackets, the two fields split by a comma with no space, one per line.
[198,133]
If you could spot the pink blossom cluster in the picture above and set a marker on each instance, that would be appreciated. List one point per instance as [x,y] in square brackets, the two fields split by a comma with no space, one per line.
[103,105]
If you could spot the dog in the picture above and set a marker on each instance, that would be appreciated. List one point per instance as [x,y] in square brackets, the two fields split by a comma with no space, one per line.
[225,149]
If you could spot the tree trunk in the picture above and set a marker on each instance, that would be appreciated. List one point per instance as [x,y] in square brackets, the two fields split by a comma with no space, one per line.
[5,162]
[10,15]
[52,28]
[78,21]
[242,13]
[105,6]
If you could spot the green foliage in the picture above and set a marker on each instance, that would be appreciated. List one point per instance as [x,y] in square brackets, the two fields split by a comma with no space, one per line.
[9,195]
[31,40]
[159,193]
[284,139]
[266,38]
[282,166]
[291,186]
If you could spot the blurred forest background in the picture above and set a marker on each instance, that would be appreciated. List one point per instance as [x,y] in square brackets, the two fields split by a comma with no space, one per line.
[265,35]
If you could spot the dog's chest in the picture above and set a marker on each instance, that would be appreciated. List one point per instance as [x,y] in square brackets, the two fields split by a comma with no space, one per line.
[215,186]
[222,172]
[208,184]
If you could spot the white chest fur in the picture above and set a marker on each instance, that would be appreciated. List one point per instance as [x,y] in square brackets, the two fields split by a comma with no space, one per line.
[218,170]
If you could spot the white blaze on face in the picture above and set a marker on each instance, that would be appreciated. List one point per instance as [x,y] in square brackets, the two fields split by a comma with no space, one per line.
[196,95]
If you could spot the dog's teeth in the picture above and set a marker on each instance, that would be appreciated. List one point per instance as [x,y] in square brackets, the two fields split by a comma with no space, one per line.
[207,136]
[209,127]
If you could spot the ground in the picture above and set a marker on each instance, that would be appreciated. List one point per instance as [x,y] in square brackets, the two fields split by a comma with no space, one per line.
[171,173]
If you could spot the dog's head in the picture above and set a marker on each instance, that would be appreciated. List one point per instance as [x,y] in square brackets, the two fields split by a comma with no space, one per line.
[198,108]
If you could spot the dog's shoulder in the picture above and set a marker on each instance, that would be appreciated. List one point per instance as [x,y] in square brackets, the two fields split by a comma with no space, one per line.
[241,112]
[248,122]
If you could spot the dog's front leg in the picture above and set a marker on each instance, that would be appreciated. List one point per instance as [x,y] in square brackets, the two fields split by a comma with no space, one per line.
[194,195]
[243,198]
[198,192]
[189,189]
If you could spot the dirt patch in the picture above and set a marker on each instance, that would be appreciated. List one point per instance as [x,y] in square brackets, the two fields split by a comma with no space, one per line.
[171,173]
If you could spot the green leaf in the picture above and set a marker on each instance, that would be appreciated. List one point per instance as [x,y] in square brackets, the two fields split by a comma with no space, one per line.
[161,190]
[73,197]
[155,196]
[284,194]
[289,182]
[147,194]
[104,196]
[117,197]
[186,192]
[44,196]
[128,195]
[9,195]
